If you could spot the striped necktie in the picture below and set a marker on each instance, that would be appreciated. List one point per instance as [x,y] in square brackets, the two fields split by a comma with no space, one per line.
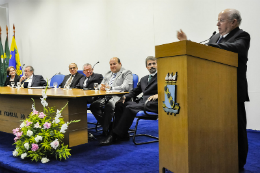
[112,79]
[85,82]
[220,39]
[68,82]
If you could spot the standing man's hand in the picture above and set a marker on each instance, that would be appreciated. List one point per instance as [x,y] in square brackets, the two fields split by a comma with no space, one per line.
[181,35]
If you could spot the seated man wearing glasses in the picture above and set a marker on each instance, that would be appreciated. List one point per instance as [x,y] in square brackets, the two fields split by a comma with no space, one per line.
[73,78]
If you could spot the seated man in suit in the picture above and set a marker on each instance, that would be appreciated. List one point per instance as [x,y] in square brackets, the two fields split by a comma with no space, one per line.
[73,78]
[126,110]
[87,82]
[90,78]
[116,79]
[31,79]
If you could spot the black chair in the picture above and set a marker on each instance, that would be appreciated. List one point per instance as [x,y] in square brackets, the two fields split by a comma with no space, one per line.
[144,115]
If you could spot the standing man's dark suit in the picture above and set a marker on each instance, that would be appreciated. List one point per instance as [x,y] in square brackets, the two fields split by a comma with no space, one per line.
[238,41]
[37,80]
[94,78]
[74,82]
[125,113]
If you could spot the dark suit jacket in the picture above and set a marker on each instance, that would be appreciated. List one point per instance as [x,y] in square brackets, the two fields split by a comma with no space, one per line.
[8,82]
[37,80]
[94,78]
[147,88]
[237,41]
[74,82]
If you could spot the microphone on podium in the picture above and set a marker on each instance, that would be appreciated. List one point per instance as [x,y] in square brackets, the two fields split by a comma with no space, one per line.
[210,37]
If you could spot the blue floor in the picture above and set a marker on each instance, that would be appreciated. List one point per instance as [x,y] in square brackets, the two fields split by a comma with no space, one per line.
[122,157]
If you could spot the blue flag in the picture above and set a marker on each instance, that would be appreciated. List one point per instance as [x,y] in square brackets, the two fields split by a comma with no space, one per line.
[14,58]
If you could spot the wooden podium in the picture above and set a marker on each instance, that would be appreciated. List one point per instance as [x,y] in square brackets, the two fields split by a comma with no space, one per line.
[202,138]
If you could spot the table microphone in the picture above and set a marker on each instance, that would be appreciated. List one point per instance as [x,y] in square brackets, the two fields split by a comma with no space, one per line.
[210,37]
[95,64]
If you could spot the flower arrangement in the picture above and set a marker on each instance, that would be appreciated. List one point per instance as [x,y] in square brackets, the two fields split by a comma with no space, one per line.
[40,135]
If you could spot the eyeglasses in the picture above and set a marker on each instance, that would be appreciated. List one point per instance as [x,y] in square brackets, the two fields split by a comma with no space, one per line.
[150,64]
[222,20]
[72,68]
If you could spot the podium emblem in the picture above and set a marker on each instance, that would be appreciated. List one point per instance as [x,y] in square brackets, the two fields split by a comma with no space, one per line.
[169,104]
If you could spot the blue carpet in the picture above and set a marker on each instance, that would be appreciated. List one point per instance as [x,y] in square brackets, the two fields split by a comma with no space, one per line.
[122,157]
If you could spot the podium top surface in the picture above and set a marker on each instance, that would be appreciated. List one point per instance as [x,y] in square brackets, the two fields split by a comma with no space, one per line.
[190,48]
[59,92]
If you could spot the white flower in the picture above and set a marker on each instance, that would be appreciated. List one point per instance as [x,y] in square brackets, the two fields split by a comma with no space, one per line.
[56,120]
[33,108]
[15,153]
[63,128]
[29,133]
[22,125]
[23,155]
[58,114]
[44,94]
[45,160]
[43,102]
[38,138]
[37,125]
[26,145]
[55,144]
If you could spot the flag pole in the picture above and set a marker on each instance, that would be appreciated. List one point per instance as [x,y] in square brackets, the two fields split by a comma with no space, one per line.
[7,31]
[0,32]
[14,30]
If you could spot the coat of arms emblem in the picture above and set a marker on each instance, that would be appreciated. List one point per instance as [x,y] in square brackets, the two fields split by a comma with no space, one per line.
[169,105]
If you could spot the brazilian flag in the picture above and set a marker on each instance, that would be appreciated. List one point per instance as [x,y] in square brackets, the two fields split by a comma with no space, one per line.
[6,58]
[1,64]
[14,58]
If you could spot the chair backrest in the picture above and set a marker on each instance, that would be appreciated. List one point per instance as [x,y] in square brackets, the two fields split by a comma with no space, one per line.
[57,78]
[81,72]
[135,80]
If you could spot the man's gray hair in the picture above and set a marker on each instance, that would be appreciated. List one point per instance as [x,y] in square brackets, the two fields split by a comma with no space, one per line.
[87,64]
[31,68]
[150,58]
[235,14]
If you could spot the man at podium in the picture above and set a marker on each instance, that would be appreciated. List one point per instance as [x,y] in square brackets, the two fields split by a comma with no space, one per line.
[232,38]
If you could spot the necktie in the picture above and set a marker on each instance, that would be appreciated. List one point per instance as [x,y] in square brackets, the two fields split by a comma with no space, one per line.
[112,79]
[85,82]
[68,82]
[149,78]
[220,39]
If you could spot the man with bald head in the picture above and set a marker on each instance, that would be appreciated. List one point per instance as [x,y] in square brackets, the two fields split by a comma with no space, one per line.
[232,38]
[73,78]
[118,78]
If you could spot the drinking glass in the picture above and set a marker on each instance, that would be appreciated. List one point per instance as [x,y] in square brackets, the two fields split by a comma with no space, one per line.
[96,86]
[12,84]
[18,84]
[107,88]
[55,84]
